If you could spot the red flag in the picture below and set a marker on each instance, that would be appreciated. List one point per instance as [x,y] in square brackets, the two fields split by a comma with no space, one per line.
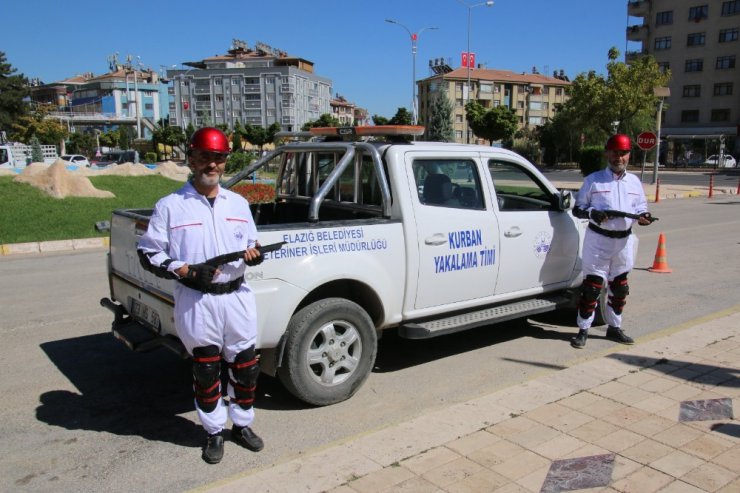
[471,60]
[464,59]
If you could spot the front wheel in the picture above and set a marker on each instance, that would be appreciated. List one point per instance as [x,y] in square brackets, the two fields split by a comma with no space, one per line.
[329,352]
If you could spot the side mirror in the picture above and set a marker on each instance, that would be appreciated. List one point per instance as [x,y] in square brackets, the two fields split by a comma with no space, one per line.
[566,200]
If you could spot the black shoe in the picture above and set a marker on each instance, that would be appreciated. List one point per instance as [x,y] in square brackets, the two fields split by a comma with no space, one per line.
[579,341]
[213,452]
[616,334]
[244,436]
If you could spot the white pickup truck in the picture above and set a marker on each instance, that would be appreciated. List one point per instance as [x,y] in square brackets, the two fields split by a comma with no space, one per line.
[424,238]
[15,155]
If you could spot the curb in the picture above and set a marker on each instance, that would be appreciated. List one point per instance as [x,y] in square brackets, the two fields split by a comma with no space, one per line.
[54,246]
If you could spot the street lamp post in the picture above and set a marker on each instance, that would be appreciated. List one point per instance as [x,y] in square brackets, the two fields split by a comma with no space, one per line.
[414,39]
[488,3]
[662,93]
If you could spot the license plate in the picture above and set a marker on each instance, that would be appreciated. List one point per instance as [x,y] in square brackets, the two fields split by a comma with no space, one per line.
[144,314]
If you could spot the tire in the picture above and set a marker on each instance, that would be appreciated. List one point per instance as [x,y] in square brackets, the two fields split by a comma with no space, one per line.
[329,352]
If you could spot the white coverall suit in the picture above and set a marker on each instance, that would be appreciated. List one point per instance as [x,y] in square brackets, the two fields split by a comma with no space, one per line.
[185,228]
[603,256]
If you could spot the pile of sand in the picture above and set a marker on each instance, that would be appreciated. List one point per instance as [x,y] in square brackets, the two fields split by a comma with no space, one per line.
[58,182]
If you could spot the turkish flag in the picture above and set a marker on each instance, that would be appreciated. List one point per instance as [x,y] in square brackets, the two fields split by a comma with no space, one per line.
[185,105]
[464,59]
[471,60]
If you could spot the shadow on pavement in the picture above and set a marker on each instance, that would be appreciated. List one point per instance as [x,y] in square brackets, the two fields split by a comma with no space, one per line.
[120,392]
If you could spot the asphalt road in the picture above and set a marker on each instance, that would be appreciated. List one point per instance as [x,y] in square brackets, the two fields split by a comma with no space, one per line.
[82,413]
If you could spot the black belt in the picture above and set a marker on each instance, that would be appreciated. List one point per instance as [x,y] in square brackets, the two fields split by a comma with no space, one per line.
[608,232]
[215,288]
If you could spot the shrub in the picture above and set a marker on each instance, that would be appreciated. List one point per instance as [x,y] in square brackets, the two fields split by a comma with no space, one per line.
[238,161]
[150,157]
[255,193]
[591,159]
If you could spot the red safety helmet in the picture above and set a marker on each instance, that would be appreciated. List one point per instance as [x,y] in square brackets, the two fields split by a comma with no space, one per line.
[209,139]
[619,142]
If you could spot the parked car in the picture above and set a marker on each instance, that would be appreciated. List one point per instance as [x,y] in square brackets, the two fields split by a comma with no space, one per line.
[76,159]
[727,162]
[117,157]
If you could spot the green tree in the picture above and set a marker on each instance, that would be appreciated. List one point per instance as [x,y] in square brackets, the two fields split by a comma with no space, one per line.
[440,120]
[111,138]
[189,131]
[81,143]
[498,123]
[37,155]
[380,120]
[325,120]
[13,88]
[37,123]
[625,97]
[168,137]
[259,136]
[402,117]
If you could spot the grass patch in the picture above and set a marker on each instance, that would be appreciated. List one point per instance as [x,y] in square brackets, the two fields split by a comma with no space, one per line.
[30,215]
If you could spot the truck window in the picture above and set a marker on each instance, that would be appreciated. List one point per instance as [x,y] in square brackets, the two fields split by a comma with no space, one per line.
[3,156]
[448,183]
[517,190]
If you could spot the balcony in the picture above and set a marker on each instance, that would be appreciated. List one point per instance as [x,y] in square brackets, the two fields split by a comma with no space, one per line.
[637,33]
[632,56]
[638,8]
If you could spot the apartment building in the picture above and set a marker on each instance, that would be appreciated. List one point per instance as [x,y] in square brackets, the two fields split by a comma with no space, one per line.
[532,96]
[698,40]
[256,86]
[343,110]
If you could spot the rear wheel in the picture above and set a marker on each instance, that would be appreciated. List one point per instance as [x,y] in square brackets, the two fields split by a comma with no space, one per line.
[329,352]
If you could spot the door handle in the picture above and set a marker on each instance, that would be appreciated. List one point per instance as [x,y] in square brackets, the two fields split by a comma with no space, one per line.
[513,232]
[436,240]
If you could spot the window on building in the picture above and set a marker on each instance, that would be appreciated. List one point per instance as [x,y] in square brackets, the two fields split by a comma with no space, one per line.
[664,66]
[695,39]
[663,43]
[219,98]
[496,89]
[692,91]
[535,120]
[720,115]
[694,65]
[725,62]
[723,89]
[728,35]
[148,106]
[520,104]
[689,116]
[731,8]
[487,88]
[458,134]
[496,103]
[558,91]
[698,13]
[664,18]
[458,118]
[459,102]
[234,82]
[546,91]
[218,82]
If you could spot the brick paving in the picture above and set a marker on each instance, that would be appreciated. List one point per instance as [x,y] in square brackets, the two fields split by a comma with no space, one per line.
[655,417]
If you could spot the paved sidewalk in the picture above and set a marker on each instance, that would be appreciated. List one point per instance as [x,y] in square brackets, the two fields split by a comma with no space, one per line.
[653,417]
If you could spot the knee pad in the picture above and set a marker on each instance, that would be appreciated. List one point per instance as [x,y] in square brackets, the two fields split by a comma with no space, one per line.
[619,289]
[207,377]
[244,372]
[590,291]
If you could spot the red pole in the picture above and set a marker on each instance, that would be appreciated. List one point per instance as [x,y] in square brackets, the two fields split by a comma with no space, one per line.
[711,185]
[657,190]
[738,187]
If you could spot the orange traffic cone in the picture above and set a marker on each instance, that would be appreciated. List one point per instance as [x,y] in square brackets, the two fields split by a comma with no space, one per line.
[660,264]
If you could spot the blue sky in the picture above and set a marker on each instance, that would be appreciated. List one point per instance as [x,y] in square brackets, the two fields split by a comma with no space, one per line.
[368,60]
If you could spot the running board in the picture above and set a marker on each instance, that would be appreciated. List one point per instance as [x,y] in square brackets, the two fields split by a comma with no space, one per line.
[470,320]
